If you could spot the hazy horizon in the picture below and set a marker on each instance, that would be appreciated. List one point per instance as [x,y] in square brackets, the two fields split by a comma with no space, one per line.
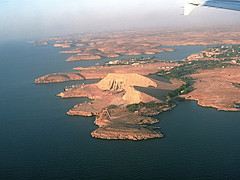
[25,20]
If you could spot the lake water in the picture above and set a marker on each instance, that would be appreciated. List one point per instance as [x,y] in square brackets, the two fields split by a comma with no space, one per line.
[39,141]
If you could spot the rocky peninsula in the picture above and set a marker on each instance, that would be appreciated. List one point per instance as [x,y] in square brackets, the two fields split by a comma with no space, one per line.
[110,97]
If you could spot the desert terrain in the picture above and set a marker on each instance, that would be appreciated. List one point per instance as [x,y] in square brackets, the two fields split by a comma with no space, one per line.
[119,123]
[99,72]
[119,90]
[59,77]
[132,89]
[217,88]
[114,44]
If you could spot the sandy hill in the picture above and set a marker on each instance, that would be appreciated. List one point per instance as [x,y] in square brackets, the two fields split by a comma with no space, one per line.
[118,89]
[126,82]
[118,82]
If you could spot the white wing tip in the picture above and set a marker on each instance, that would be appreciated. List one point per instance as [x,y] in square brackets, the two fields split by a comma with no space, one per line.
[188,8]
[191,5]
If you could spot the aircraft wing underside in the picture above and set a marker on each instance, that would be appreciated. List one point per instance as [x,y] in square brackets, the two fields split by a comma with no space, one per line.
[224,4]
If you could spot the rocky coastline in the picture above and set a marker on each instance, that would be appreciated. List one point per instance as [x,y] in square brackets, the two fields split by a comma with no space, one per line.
[110,97]
[119,123]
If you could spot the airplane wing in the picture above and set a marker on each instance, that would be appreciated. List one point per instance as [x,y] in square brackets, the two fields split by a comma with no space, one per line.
[224,4]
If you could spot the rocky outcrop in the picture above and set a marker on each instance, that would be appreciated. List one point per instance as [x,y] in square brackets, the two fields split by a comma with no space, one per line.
[118,82]
[119,123]
[62,45]
[126,82]
[101,99]
[73,112]
[71,51]
[59,77]
[83,57]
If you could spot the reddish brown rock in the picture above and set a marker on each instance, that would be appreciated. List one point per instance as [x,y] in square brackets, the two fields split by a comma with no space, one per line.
[99,72]
[118,90]
[214,88]
[119,123]
[62,45]
[59,77]
[83,57]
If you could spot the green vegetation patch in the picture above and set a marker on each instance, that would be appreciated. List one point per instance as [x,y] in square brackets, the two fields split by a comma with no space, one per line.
[184,89]
[188,68]
[136,107]
[236,84]
[154,106]
[130,61]
[183,71]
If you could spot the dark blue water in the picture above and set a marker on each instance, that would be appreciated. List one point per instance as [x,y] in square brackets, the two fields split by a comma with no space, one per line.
[39,141]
